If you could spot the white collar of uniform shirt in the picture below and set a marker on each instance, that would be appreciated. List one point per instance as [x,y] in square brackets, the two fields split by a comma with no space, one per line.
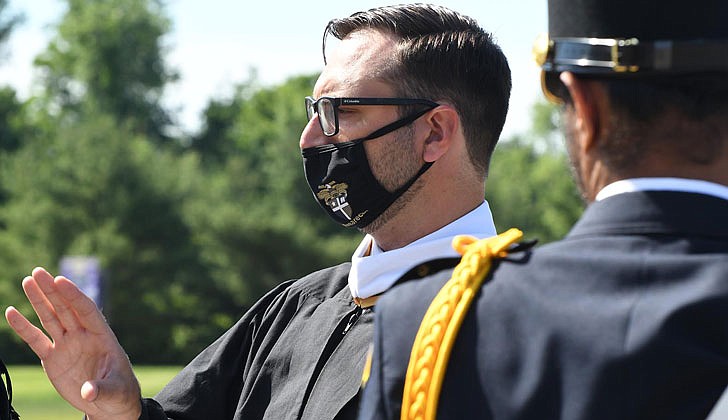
[374,274]
[663,184]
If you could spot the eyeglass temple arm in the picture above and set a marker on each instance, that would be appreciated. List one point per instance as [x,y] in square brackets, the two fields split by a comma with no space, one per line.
[396,125]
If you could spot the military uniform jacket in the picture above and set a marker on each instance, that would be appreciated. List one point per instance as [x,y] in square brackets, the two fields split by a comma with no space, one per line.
[298,353]
[625,318]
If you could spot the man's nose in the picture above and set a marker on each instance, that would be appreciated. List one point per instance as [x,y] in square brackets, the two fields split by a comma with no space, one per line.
[312,135]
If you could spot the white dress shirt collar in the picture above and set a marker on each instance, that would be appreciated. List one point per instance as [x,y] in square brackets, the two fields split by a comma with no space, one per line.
[663,184]
[373,274]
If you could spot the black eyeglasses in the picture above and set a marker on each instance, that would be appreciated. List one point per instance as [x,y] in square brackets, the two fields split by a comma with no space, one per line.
[328,108]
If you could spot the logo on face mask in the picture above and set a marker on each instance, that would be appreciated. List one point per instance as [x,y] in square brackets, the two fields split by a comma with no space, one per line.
[334,195]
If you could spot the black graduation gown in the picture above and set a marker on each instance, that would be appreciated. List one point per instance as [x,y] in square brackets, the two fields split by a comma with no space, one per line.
[298,353]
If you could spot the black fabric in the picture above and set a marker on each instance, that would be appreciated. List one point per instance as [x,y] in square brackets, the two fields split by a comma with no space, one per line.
[649,38]
[645,20]
[626,318]
[428,268]
[7,412]
[299,353]
[342,182]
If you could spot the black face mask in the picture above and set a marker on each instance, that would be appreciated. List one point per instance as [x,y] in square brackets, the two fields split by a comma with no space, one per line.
[342,182]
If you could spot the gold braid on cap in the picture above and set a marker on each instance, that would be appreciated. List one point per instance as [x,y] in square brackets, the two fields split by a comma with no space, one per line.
[440,325]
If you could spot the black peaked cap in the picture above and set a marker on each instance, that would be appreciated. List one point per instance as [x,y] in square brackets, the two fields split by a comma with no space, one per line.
[626,38]
[646,20]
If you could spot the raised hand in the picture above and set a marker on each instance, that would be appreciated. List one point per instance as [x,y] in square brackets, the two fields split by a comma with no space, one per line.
[80,354]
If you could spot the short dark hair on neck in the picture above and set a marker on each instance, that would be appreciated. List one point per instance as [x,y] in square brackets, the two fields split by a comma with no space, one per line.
[443,56]
[682,115]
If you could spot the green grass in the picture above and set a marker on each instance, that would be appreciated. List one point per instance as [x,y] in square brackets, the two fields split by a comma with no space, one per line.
[34,398]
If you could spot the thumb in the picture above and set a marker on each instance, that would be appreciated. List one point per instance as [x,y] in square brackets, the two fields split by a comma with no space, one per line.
[89,391]
[108,390]
[110,397]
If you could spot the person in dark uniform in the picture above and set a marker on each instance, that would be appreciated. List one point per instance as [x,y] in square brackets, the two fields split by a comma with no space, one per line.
[627,316]
[402,124]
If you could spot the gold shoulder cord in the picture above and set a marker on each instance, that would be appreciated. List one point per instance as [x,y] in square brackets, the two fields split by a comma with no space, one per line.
[440,325]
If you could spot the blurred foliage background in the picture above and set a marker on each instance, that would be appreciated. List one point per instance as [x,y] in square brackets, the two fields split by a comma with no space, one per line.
[190,229]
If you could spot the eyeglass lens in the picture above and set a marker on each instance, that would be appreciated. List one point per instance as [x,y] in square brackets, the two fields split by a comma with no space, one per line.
[327,116]
[309,108]
[326,110]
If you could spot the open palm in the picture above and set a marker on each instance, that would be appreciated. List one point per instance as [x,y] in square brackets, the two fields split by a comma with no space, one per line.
[80,354]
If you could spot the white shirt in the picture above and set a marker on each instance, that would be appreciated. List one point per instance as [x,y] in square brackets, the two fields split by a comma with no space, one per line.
[663,184]
[374,274]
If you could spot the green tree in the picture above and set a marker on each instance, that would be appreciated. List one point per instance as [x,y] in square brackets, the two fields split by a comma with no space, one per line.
[217,140]
[108,56]
[12,123]
[7,23]
[95,188]
[214,143]
[186,247]
[529,185]
[264,226]
[14,126]
[267,133]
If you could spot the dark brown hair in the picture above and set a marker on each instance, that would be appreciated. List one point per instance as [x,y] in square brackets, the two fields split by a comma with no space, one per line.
[443,56]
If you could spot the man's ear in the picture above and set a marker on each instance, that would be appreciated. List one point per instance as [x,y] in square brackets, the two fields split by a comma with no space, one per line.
[589,101]
[443,125]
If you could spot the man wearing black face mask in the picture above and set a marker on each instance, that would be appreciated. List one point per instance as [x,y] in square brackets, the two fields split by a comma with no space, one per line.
[402,124]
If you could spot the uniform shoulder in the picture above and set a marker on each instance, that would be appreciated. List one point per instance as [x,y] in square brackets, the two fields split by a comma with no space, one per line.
[417,287]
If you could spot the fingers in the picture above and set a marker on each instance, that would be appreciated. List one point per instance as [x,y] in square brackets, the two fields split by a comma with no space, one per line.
[60,305]
[32,335]
[64,315]
[43,307]
[85,310]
